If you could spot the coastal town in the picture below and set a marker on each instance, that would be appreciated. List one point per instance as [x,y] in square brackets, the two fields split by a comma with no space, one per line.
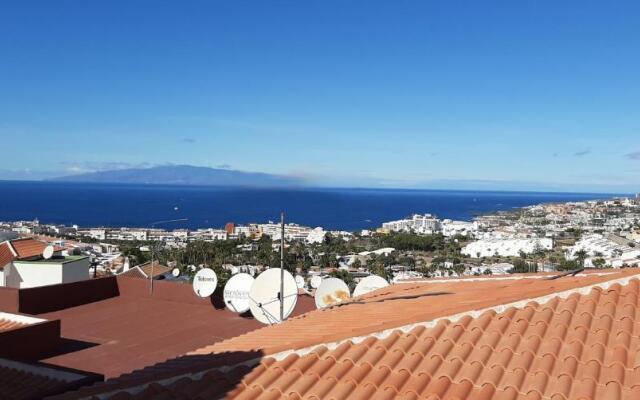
[544,238]
[319,200]
[117,313]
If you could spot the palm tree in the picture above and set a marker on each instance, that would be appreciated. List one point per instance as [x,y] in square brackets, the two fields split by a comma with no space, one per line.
[581,255]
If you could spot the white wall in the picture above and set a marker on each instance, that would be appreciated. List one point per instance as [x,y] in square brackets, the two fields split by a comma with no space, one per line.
[34,274]
[76,270]
[26,275]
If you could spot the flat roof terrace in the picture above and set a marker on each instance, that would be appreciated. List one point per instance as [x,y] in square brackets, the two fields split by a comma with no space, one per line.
[113,325]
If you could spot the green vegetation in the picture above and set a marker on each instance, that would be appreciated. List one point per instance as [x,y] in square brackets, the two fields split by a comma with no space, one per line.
[346,277]
[522,266]
[411,241]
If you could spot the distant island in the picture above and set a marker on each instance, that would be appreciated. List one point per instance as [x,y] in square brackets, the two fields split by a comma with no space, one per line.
[184,175]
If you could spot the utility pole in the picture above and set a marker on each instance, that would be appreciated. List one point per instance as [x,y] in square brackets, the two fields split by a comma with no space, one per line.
[282,267]
[151,275]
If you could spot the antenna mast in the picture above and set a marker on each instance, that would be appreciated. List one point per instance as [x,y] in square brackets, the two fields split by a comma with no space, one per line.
[282,267]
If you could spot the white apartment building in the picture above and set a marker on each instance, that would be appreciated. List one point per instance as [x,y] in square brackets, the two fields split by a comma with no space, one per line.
[291,231]
[316,235]
[506,247]
[209,234]
[424,224]
[598,246]
[453,228]
[96,233]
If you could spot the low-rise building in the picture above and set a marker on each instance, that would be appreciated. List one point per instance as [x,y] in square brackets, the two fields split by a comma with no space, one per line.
[25,264]
[506,247]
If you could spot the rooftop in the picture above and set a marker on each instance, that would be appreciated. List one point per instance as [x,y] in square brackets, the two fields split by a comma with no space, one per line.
[54,260]
[145,270]
[114,325]
[124,333]
[523,337]
[32,382]
[27,248]
[22,249]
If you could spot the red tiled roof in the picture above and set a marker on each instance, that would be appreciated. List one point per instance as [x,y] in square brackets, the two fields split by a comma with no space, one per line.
[20,381]
[158,269]
[584,345]
[403,304]
[6,255]
[18,249]
[27,248]
[134,272]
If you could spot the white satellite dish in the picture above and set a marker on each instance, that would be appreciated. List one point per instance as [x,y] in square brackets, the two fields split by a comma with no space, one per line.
[299,281]
[192,268]
[265,298]
[236,292]
[316,281]
[205,282]
[47,253]
[369,284]
[175,272]
[331,291]
[234,270]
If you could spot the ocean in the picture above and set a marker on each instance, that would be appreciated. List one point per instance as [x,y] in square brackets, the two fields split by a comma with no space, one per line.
[88,204]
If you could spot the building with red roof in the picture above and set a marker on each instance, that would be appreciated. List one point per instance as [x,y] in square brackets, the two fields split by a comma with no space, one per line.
[516,337]
[109,328]
[526,336]
[24,264]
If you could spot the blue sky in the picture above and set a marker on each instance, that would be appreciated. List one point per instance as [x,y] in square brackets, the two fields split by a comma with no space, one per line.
[464,94]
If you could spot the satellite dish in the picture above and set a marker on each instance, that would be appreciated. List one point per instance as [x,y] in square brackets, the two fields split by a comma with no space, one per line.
[175,272]
[234,270]
[331,291]
[47,253]
[316,281]
[236,292]
[192,268]
[265,298]
[299,281]
[205,282]
[369,284]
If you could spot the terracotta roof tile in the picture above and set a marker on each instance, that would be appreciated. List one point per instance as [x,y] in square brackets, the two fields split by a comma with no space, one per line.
[403,304]
[144,270]
[28,247]
[21,381]
[158,269]
[545,351]
[6,255]
[134,272]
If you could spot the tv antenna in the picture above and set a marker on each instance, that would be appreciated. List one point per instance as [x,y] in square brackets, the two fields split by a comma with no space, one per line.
[236,292]
[331,291]
[282,266]
[369,284]
[273,296]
